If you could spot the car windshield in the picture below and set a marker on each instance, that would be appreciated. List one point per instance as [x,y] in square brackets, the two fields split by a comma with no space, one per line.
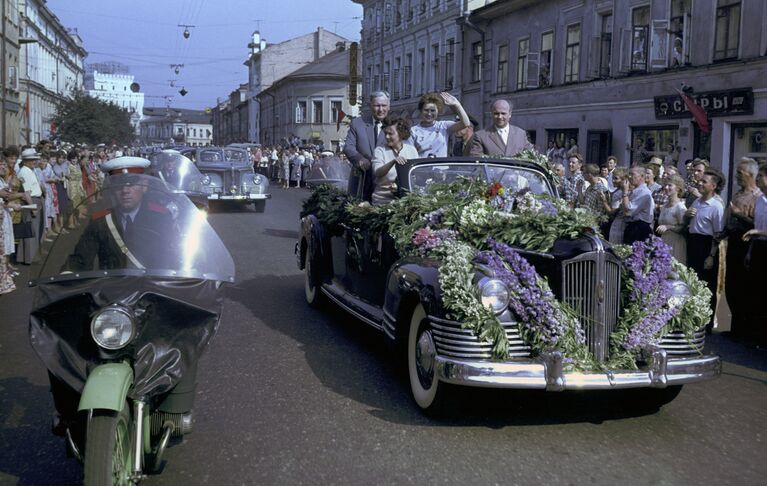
[422,176]
[137,225]
[177,171]
[329,169]
[236,155]
[210,156]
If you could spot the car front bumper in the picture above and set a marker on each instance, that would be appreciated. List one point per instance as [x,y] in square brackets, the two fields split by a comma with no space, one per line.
[548,373]
[239,197]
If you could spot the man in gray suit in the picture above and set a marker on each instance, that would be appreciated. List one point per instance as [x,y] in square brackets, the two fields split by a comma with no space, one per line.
[365,134]
[503,139]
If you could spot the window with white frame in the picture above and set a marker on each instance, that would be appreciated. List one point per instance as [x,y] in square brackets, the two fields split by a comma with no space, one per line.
[502,70]
[408,75]
[335,109]
[396,78]
[727,37]
[605,44]
[640,32]
[387,67]
[572,53]
[301,112]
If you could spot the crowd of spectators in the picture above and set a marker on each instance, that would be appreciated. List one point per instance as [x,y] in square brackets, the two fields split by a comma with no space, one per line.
[44,191]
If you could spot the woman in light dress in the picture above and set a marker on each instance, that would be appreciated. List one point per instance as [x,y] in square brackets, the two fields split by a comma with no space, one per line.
[430,136]
[385,159]
[671,218]
[75,190]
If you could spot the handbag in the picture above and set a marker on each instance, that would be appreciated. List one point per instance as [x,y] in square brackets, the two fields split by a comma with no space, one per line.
[23,230]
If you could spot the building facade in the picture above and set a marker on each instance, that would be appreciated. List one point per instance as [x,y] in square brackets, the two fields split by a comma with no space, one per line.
[161,126]
[308,103]
[111,82]
[604,74]
[268,63]
[52,58]
[10,104]
[410,48]
[230,118]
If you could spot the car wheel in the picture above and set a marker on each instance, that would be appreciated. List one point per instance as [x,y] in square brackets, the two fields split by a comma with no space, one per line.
[312,291]
[425,387]
[260,206]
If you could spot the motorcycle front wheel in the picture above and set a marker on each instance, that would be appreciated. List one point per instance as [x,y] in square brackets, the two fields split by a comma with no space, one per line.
[108,454]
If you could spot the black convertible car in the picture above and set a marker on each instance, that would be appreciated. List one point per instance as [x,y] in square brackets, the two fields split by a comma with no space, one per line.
[359,267]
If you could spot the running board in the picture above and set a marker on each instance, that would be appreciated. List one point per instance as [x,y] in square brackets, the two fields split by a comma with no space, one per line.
[369,314]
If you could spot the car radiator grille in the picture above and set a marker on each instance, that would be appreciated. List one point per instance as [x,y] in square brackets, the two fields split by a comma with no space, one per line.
[453,341]
[676,344]
[591,285]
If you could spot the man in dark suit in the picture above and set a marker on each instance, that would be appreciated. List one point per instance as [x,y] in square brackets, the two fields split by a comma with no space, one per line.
[365,134]
[133,233]
[502,139]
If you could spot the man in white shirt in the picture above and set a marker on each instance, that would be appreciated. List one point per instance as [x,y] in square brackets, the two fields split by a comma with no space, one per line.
[707,219]
[638,207]
[29,246]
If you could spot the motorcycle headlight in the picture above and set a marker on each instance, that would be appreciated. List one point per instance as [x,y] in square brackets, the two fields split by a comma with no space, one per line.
[680,292]
[494,294]
[112,328]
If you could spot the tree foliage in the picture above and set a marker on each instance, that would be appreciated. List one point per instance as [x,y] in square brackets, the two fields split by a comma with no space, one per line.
[84,119]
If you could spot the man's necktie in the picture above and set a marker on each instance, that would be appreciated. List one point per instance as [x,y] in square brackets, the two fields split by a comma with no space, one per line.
[127,228]
[377,129]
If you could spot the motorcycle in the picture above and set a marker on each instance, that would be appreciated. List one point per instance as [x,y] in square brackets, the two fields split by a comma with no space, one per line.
[125,305]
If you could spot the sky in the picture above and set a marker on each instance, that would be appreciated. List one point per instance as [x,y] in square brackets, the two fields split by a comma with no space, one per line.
[146,37]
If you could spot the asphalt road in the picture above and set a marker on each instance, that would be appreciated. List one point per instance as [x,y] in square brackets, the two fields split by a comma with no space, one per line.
[290,395]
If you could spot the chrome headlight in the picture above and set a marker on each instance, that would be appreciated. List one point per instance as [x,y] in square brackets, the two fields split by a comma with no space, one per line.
[206,179]
[680,292]
[112,328]
[494,294]
[233,189]
[258,179]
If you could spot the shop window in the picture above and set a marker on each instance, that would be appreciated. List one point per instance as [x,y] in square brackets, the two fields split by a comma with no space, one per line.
[727,37]
[561,144]
[502,74]
[647,142]
[476,62]
[572,53]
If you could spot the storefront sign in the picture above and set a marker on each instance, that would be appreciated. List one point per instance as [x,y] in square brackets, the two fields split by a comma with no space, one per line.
[716,103]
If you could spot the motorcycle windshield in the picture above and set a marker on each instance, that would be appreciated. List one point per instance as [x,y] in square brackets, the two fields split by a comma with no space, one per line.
[177,171]
[136,225]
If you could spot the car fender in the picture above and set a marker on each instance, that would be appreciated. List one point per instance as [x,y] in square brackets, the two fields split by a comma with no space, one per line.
[410,281]
[107,387]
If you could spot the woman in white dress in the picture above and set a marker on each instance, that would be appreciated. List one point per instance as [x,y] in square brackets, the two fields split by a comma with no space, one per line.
[671,218]
[430,136]
[396,152]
